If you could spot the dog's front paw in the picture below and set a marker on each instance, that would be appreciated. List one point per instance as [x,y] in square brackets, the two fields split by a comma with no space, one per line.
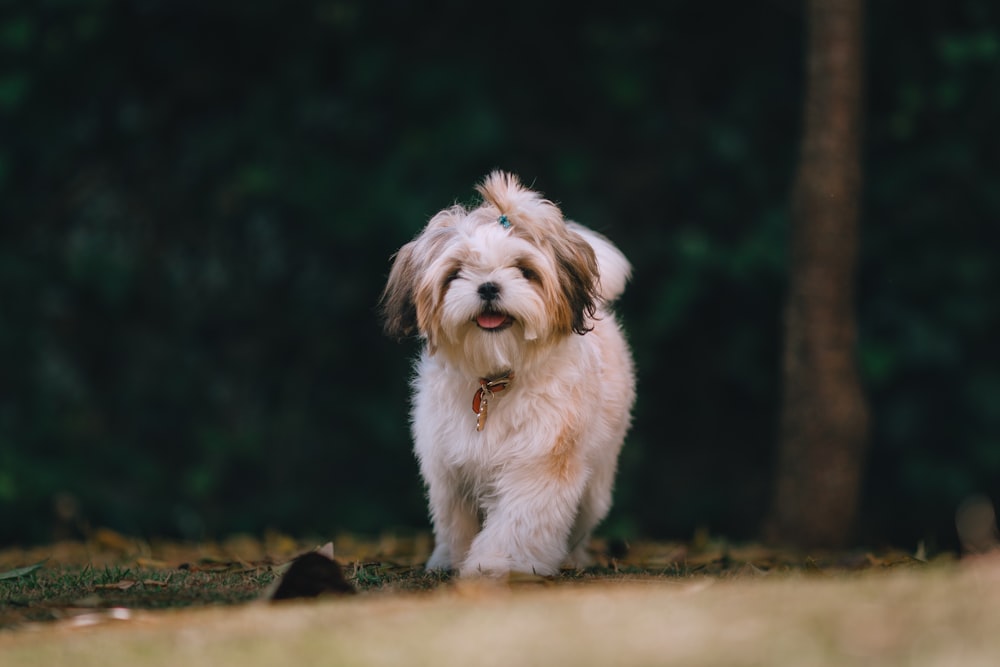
[500,565]
[440,559]
[493,566]
[579,558]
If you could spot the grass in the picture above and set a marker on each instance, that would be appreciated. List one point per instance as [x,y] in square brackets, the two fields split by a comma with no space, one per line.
[60,592]
[66,580]
[659,604]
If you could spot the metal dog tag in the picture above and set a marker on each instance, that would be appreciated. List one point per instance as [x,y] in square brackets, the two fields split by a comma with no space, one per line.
[484,403]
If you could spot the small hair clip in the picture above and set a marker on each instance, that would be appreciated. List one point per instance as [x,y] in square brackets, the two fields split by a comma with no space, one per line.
[504,222]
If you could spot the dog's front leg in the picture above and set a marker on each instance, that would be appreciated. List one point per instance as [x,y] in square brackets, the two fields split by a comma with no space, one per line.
[455,518]
[526,528]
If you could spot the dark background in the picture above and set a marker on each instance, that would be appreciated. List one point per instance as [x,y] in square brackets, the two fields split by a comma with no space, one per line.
[198,202]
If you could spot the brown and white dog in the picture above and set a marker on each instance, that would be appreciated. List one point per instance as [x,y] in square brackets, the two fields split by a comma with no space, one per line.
[524,389]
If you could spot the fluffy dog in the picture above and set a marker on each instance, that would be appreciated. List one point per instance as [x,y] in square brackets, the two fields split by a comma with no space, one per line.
[524,389]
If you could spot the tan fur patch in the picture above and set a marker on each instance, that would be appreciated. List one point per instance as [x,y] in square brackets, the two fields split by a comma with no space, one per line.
[562,458]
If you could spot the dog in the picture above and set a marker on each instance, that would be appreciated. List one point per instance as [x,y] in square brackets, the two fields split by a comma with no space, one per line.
[523,391]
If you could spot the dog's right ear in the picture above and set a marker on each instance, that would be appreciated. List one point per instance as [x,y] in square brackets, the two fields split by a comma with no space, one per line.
[399,311]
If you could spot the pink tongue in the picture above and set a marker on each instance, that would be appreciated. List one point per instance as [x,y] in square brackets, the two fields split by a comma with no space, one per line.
[491,320]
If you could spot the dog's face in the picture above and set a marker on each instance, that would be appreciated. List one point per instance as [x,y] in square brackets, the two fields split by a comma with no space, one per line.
[484,285]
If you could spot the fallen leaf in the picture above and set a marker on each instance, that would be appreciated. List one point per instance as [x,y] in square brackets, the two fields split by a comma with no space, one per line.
[19,572]
[122,585]
[155,583]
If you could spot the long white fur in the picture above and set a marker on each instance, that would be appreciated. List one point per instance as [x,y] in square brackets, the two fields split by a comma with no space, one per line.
[525,493]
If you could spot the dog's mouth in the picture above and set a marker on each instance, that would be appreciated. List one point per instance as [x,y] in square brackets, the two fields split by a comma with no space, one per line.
[493,321]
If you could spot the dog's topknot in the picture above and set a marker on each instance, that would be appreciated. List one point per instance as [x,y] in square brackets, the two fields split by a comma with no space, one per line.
[504,191]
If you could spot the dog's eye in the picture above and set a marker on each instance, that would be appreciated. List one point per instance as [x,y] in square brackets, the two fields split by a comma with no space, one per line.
[453,275]
[528,273]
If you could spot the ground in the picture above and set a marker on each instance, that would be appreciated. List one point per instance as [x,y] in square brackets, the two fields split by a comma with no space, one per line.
[116,601]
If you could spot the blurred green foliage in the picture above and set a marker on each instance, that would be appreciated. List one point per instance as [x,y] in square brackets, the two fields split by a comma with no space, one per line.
[198,203]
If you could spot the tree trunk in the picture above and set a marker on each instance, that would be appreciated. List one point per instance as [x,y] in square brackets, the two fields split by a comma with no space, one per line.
[824,417]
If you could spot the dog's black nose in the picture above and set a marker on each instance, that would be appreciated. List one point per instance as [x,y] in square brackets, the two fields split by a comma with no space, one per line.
[489,291]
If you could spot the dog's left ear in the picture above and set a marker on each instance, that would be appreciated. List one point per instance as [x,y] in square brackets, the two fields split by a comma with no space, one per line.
[579,280]
[399,311]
